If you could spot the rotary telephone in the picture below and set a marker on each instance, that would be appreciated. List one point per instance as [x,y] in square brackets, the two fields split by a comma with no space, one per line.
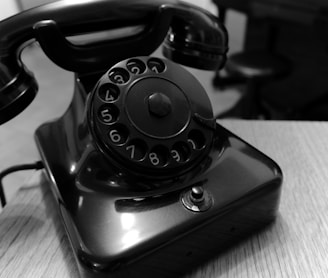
[147,183]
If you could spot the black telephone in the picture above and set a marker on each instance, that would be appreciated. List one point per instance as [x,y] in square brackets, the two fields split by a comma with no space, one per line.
[147,183]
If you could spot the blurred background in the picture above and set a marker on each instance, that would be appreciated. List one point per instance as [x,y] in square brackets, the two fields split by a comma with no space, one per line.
[277,70]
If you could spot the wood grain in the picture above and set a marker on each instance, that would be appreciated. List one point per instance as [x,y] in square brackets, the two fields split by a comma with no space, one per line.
[33,243]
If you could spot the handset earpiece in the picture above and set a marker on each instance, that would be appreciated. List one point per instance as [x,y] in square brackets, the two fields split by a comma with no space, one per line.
[196,39]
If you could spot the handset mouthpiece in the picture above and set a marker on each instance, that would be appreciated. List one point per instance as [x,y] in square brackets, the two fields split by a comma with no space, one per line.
[18,88]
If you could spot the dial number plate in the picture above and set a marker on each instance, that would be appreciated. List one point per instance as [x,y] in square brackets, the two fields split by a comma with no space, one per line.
[170,139]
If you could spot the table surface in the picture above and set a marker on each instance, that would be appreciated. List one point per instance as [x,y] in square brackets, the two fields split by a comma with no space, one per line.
[33,242]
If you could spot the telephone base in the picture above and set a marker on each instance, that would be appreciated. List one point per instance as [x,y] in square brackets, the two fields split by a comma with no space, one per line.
[117,230]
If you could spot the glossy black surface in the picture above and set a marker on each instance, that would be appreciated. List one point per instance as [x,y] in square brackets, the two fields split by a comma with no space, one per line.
[123,115]
[121,223]
[118,225]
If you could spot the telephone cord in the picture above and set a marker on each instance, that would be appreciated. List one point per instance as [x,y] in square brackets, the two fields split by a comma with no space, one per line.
[32,166]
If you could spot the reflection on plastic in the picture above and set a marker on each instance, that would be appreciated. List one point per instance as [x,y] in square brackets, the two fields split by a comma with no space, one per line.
[132,234]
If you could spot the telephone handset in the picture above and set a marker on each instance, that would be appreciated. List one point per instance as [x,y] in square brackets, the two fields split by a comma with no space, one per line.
[147,183]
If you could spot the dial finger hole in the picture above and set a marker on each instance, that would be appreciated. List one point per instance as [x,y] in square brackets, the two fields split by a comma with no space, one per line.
[108,92]
[136,149]
[118,76]
[158,156]
[108,113]
[196,139]
[118,135]
[156,65]
[180,152]
[135,66]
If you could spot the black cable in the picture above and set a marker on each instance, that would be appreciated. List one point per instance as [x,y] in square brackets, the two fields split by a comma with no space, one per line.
[32,166]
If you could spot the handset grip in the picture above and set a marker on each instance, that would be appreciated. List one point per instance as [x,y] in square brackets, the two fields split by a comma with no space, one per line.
[77,17]
[94,57]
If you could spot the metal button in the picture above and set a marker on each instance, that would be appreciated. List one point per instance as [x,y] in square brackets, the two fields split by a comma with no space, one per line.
[197,199]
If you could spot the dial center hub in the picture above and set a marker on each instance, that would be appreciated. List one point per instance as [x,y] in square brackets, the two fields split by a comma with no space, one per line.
[159,105]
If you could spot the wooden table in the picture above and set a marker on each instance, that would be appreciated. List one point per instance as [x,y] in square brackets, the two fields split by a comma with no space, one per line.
[33,242]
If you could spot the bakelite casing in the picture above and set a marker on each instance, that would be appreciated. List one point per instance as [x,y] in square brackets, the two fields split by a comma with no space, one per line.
[119,229]
[123,222]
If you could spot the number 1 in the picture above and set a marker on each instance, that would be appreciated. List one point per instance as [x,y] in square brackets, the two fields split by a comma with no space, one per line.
[154,69]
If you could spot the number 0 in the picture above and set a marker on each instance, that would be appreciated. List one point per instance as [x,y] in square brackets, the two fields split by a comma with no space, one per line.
[192,143]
